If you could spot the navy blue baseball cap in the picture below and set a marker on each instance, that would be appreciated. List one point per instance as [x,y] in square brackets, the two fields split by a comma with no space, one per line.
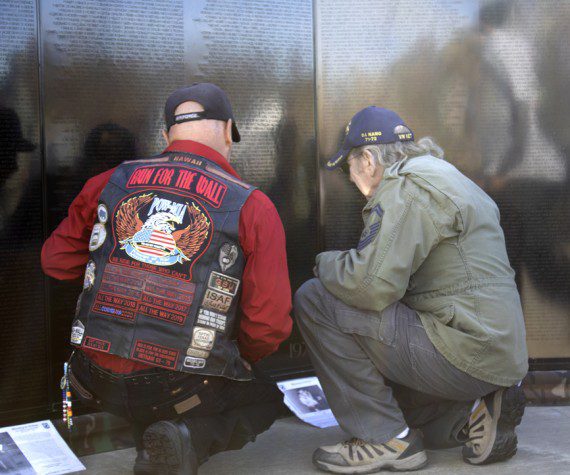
[212,98]
[372,125]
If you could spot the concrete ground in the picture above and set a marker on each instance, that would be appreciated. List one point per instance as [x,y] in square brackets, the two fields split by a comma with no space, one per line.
[544,448]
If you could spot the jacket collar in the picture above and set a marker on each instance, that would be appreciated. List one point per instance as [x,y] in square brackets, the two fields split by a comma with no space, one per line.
[197,148]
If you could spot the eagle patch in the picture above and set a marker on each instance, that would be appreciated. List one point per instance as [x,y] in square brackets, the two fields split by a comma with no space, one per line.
[156,230]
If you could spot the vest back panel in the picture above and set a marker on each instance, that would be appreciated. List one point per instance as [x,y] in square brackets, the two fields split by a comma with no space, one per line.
[162,285]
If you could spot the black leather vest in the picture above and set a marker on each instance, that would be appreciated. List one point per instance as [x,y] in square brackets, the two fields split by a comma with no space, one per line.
[162,284]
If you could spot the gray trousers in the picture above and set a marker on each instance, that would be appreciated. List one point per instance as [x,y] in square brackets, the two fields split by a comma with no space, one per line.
[380,372]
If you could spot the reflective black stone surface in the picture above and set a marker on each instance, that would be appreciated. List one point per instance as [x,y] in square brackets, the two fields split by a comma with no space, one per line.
[24,348]
[83,83]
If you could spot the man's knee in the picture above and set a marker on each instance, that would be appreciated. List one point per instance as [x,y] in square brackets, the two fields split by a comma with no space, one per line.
[307,297]
[308,303]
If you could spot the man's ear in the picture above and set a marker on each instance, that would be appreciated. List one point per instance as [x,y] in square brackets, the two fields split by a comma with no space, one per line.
[369,162]
[165,137]
[228,132]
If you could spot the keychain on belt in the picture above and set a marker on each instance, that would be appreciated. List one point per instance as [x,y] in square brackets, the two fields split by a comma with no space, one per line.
[66,396]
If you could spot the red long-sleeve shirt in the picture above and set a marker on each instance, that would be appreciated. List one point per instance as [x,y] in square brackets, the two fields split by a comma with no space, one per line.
[266,292]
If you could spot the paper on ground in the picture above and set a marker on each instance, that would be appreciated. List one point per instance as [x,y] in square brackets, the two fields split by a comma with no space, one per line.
[35,448]
[305,397]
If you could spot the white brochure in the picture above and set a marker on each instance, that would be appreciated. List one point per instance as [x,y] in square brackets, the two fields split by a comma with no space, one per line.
[305,397]
[35,448]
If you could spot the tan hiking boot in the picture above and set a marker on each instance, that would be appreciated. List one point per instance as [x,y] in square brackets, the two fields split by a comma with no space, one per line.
[492,425]
[358,456]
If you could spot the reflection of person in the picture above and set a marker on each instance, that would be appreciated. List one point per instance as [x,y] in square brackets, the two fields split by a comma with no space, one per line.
[409,329]
[11,142]
[170,241]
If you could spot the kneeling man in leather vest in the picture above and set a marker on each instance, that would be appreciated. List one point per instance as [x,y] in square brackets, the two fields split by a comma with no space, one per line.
[180,260]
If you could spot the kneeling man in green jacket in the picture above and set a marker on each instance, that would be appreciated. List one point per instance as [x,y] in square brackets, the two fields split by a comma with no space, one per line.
[417,334]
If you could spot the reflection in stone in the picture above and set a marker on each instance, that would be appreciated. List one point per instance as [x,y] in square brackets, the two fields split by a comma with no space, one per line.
[488,80]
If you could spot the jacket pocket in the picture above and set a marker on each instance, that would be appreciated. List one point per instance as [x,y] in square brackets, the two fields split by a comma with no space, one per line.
[444,314]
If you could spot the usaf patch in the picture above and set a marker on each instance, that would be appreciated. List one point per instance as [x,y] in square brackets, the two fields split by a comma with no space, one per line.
[203,338]
[228,256]
[223,283]
[196,363]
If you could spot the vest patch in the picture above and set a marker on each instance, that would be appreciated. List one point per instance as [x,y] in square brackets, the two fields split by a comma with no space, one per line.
[97,344]
[102,213]
[209,318]
[228,256]
[203,338]
[77,331]
[223,283]
[161,231]
[217,300]
[98,236]
[197,353]
[89,278]
[124,292]
[154,354]
[190,181]
[196,363]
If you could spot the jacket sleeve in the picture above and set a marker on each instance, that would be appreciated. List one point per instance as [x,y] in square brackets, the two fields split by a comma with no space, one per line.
[266,293]
[378,274]
[66,251]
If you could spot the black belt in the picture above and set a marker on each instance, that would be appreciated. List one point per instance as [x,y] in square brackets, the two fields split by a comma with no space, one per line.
[143,377]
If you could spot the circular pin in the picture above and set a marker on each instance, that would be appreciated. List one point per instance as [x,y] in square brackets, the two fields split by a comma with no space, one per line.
[98,236]
[102,213]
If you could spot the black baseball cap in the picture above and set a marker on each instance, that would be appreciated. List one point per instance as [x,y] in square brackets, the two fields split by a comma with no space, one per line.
[214,100]
[372,125]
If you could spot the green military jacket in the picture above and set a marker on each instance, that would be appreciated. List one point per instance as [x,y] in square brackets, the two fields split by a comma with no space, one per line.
[432,239]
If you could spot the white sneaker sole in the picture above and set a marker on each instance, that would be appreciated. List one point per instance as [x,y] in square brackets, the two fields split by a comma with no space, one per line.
[413,462]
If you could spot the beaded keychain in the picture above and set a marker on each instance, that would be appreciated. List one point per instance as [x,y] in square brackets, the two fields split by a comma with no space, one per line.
[66,397]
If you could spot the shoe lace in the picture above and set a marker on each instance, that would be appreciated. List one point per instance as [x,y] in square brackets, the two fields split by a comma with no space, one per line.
[354,441]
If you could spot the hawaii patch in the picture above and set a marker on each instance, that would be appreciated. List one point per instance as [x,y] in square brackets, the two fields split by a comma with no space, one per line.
[162,230]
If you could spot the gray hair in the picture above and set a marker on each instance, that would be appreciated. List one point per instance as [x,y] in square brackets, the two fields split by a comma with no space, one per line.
[390,153]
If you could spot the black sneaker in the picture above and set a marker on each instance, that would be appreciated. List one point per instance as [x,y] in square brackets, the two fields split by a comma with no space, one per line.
[169,448]
[358,456]
[492,436]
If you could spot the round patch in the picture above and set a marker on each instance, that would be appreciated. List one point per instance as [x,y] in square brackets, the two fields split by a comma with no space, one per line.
[98,236]
[89,279]
[102,213]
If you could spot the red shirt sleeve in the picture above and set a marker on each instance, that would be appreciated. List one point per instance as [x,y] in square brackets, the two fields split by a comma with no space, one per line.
[66,251]
[266,291]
